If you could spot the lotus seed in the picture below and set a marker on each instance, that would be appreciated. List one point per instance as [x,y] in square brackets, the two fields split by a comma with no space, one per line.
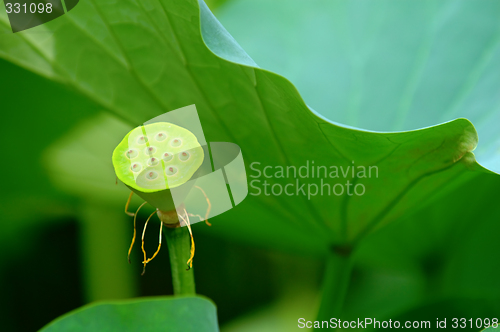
[150,150]
[184,156]
[167,156]
[153,162]
[171,170]
[131,153]
[161,137]
[142,140]
[176,142]
[136,167]
[151,175]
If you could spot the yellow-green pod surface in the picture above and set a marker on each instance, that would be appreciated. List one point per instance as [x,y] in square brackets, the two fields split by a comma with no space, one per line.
[154,158]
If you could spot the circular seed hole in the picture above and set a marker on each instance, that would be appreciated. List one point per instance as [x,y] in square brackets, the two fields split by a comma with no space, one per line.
[176,142]
[171,170]
[131,153]
[167,156]
[153,161]
[142,140]
[150,150]
[184,156]
[151,175]
[161,136]
[136,167]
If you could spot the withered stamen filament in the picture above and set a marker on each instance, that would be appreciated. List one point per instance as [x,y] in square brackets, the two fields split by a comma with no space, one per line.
[128,203]
[144,251]
[135,231]
[186,221]
[209,206]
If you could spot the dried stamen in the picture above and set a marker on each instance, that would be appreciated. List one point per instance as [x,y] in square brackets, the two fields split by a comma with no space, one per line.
[186,221]
[128,203]
[159,246]
[135,232]
[143,250]
[209,206]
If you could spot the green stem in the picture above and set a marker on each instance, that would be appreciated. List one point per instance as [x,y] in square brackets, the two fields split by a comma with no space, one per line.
[179,249]
[335,284]
[105,235]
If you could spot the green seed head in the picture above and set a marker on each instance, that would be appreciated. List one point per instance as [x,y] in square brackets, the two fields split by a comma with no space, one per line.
[157,156]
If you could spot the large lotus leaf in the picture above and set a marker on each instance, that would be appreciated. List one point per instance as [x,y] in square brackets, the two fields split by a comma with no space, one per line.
[432,255]
[383,65]
[141,59]
[144,314]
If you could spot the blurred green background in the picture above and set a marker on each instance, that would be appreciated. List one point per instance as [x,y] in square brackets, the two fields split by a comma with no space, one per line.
[61,248]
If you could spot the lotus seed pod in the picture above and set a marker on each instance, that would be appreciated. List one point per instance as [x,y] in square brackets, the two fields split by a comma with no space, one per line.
[155,158]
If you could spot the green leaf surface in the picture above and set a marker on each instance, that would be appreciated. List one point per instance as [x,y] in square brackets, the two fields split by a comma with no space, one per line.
[195,314]
[141,59]
[431,256]
[380,65]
